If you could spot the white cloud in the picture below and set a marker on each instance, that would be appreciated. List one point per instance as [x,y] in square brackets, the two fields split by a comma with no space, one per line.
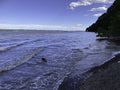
[40,27]
[103,8]
[78,3]
[97,14]
[73,5]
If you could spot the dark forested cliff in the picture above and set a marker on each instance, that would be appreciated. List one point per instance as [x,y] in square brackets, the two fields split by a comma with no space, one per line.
[109,23]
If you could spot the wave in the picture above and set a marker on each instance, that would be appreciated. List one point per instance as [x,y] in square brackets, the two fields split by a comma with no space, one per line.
[16,59]
[18,55]
[7,46]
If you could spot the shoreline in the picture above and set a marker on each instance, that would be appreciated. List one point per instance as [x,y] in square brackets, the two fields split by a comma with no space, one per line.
[106,65]
[78,82]
[108,38]
[104,77]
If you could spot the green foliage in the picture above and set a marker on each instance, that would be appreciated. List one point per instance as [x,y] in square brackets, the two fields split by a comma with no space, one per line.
[115,25]
[108,23]
[101,32]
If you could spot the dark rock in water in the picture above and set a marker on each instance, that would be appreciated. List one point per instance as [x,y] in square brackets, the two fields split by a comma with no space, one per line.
[44,59]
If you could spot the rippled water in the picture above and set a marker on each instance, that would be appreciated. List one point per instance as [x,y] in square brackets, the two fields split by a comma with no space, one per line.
[67,53]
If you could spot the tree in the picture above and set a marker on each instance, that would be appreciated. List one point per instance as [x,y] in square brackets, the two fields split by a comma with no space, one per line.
[114,28]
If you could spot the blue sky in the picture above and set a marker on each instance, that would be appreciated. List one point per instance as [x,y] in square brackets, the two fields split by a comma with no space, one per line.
[51,14]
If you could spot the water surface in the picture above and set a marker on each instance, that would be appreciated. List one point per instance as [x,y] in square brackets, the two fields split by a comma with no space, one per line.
[67,53]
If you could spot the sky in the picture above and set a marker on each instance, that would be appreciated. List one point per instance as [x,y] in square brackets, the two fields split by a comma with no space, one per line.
[51,14]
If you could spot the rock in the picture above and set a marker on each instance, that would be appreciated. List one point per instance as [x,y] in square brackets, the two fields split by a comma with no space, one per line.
[44,59]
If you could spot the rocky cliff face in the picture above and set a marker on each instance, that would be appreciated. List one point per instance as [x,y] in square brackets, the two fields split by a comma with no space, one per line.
[109,23]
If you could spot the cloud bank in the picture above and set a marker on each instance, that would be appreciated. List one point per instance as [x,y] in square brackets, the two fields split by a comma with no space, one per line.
[40,27]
